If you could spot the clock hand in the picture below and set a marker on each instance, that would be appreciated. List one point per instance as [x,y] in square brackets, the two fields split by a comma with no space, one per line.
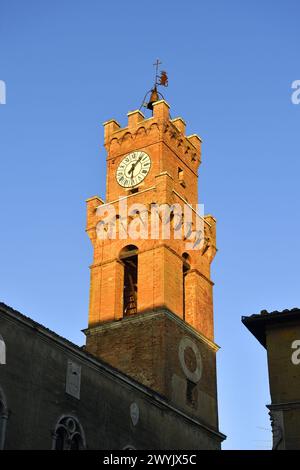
[134,165]
[131,170]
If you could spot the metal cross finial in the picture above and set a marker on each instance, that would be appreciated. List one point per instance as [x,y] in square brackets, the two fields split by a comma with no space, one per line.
[156,65]
[159,80]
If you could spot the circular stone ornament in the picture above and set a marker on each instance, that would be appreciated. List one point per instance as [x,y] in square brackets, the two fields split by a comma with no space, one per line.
[190,359]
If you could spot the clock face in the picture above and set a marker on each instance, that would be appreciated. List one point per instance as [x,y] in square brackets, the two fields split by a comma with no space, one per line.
[133,169]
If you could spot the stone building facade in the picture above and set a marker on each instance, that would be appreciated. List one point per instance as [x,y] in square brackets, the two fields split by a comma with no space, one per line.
[54,395]
[279,334]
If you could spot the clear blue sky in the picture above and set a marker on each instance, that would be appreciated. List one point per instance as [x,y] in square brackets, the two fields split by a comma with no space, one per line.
[71,65]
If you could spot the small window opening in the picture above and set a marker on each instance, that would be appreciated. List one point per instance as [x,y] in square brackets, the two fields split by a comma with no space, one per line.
[134,191]
[181,177]
[191,394]
[185,268]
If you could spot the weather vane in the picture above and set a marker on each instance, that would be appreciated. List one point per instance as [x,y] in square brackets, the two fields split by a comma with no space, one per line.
[161,79]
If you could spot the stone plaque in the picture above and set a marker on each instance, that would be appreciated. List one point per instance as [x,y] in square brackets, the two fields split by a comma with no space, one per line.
[73,379]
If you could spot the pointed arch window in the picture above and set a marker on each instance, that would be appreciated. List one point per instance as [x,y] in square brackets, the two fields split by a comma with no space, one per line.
[68,435]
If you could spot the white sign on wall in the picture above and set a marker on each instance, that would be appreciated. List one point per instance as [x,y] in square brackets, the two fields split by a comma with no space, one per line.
[73,379]
[2,351]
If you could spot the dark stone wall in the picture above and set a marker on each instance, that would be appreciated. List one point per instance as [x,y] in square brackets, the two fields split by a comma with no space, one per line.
[33,381]
[147,347]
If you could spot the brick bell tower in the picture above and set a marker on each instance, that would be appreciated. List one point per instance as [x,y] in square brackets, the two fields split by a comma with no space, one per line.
[151,300]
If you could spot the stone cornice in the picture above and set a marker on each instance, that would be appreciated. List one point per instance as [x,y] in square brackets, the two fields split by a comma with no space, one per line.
[283,406]
[147,316]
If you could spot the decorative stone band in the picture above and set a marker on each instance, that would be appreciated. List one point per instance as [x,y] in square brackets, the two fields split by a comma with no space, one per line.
[148,316]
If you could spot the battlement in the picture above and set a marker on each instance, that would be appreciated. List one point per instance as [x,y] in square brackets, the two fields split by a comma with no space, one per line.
[141,131]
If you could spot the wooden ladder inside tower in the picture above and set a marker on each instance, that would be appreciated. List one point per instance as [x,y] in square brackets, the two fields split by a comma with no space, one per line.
[131,299]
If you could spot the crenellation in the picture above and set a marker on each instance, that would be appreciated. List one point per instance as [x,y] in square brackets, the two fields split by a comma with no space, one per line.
[134,118]
[180,124]
[161,110]
[110,127]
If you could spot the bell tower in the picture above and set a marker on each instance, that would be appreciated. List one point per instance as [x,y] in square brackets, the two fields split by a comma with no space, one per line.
[151,300]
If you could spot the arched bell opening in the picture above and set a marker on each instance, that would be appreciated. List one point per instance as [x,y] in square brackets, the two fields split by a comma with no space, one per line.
[186,266]
[129,258]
